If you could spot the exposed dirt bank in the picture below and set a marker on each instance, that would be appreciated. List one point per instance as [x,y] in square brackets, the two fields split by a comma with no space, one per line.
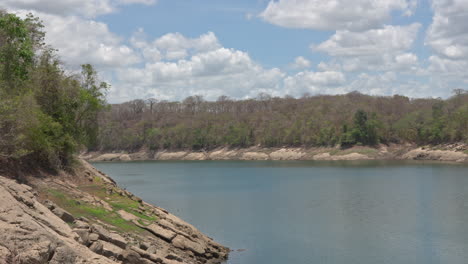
[448,153]
[86,218]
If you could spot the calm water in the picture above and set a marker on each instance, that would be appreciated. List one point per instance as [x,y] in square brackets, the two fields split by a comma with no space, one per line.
[314,212]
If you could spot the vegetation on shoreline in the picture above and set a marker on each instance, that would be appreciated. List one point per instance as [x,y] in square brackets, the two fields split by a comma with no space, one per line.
[46,115]
[310,121]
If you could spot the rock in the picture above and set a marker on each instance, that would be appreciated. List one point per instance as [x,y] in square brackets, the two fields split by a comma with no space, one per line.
[184,243]
[146,255]
[84,236]
[170,155]
[159,231]
[93,237]
[41,236]
[254,156]
[97,247]
[64,215]
[287,154]
[110,250]
[152,250]
[145,245]
[49,204]
[81,225]
[105,235]
[195,156]
[222,154]
[127,216]
[125,157]
[131,257]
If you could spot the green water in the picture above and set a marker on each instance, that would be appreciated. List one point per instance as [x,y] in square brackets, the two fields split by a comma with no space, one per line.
[287,212]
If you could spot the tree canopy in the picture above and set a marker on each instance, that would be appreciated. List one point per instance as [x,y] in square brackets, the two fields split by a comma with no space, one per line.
[45,114]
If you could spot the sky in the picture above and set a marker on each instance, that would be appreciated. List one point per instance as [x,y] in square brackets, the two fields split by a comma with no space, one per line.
[172,49]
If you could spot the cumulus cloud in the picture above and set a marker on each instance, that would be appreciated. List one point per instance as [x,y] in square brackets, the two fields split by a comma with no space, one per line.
[356,15]
[86,41]
[448,33]
[210,73]
[300,63]
[327,82]
[448,37]
[87,8]
[372,42]
[376,49]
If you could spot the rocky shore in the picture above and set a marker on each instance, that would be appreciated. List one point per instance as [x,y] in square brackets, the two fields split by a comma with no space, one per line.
[84,217]
[447,153]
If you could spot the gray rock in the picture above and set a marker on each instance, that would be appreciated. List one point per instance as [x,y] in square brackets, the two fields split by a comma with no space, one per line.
[131,257]
[93,237]
[81,225]
[84,236]
[32,233]
[96,247]
[146,255]
[110,250]
[64,215]
[184,243]
[159,231]
[113,238]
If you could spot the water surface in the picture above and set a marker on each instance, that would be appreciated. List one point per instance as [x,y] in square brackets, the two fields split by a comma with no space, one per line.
[364,212]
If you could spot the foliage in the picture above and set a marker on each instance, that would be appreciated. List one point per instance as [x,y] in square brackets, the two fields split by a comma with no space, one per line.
[45,114]
[322,120]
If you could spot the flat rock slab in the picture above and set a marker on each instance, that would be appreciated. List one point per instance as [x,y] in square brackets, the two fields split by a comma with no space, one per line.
[113,238]
[110,250]
[161,232]
[184,243]
[127,216]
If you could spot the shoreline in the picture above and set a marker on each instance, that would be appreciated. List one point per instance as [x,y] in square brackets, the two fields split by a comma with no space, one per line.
[445,153]
[85,217]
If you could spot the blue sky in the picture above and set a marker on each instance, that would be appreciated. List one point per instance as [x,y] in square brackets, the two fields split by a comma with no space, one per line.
[171,49]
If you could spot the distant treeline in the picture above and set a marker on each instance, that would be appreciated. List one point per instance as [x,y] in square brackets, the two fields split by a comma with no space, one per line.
[46,115]
[322,120]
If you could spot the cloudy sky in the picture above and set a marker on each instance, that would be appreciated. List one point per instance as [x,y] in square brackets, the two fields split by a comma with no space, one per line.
[170,49]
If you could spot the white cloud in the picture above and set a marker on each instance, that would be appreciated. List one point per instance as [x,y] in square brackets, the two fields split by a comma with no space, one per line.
[211,73]
[86,41]
[357,15]
[300,63]
[448,38]
[372,50]
[448,33]
[327,82]
[388,39]
[87,8]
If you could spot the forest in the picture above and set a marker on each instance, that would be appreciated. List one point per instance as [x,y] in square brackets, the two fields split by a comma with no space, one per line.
[309,121]
[46,115]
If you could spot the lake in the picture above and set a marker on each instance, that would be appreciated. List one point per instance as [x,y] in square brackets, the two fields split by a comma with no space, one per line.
[300,212]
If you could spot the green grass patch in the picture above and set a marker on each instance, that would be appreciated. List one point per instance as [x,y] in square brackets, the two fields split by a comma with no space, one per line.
[117,201]
[97,179]
[90,211]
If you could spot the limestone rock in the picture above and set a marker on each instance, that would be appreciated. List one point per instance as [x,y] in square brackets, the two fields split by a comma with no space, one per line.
[97,247]
[31,233]
[110,250]
[159,231]
[184,243]
[105,235]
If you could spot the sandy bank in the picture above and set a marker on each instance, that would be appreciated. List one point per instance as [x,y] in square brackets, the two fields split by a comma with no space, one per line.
[446,153]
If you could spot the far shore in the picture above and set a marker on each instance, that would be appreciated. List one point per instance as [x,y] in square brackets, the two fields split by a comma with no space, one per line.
[446,153]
